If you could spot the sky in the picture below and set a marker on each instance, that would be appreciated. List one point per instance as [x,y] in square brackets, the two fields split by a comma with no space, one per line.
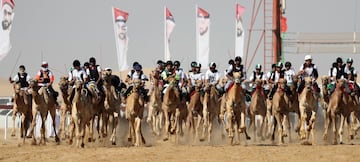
[61,31]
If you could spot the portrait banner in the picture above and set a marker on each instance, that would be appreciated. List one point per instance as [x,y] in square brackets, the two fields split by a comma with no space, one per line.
[121,39]
[239,32]
[6,19]
[169,28]
[202,36]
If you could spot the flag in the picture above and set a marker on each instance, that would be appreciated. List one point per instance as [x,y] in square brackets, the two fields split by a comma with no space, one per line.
[202,36]
[6,19]
[239,31]
[169,27]
[283,22]
[119,19]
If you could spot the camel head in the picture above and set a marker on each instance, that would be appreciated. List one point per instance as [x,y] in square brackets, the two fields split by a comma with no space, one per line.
[259,83]
[17,87]
[325,80]
[237,77]
[340,83]
[295,78]
[78,85]
[308,83]
[137,84]
[63,84]
[281,83]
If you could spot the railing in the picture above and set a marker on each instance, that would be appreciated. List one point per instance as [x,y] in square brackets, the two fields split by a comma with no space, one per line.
[6,124]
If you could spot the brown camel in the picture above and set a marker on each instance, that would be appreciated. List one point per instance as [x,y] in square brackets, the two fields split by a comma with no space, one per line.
[43,103]
[171,110]
[308,105]
[65,106]
[112,106]
[280,110]
[340,104]
[293,102]
[211,109]
[22,104]
[195,108]
[234,106]
[258,107]
[81,112]
[134,113]
[324,101]
[155,114]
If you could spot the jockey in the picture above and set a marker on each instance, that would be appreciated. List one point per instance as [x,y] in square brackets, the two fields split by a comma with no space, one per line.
[21,77]
[237,67]
[76,73]
[193,77]
[192,66]
[212,76]
[257,74]
[115,80]
[94,74]
[351,75]
[136,73]
[45,77]
[180,76]
[289,73]
[279,73]
[308,69]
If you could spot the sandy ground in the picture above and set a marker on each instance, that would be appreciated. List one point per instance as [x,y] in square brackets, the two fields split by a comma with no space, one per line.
[158,150]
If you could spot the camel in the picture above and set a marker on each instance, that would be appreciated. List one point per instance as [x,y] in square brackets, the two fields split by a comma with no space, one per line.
[65,106]
[340,104]
[112,106]
[98,110]
[234,107]
[280,110]
[43,103]
[155,114]
[211,109]
[22,104]
[134,114]
[258,107]
[293,104]
[195,108]
[171,110]
[81,113]
[308,106]
[324,101]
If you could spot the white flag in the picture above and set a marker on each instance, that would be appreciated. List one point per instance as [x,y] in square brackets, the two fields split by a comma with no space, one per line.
[169,27]
[239,32]
[121,38]
[6,19]
[203,36]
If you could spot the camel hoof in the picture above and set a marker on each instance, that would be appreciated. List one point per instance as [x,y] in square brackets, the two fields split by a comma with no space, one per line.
[70,142]
[341,142]
[351,137]
[166,139]
[248,138]
[82,145]
[57,140]
[13,135]
[201,139]
[129,139]
[33,143]
[113,143]
[324,137]
[89,140]
[335,143]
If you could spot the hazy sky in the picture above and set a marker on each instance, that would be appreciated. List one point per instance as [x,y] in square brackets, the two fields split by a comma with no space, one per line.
[60,31]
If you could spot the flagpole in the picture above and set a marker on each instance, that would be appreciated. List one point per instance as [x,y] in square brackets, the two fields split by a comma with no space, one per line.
[235,49]
[113,21]
[197,32]
[165,40]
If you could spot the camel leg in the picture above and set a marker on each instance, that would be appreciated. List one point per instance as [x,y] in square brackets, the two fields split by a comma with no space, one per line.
[23,128]
[167,124]
[151,118]
[105,120]
[211,118]
[229,126]
[261,131]
[350,136]
[157,122]
[82,134]
[298,123]
[325,116]
[53,114]
[177,125]
[333,118]
[42,130]
[71,131]
[198,122]
[205,124]
[137,131]
[303,117]
[13,120]
[286,126]
[32,129]
[341,128]
[279,119]
[252,124]
[327,124]
[62,123]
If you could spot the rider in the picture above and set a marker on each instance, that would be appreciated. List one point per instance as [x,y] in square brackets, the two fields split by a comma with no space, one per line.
[289,73]
[279,73]
[45,77]
[351,75]
[94,74]
[257,74]
[193,77]
[237,67]
[76,73]
[180,76]
[21,77]
[137,73]
[212,77]
[308,69]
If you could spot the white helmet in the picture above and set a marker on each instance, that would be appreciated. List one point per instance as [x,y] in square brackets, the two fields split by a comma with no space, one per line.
[308,57]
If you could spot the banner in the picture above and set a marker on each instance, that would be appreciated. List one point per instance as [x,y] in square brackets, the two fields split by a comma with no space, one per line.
[121,38]
[169,27]
[202,36]
[6,19]
[239,32]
